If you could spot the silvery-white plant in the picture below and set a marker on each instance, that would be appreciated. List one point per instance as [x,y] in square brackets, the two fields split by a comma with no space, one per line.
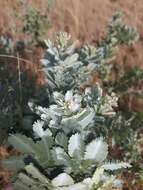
[84,165]
[67,66]
[76,111]
[61,141]
[66,152]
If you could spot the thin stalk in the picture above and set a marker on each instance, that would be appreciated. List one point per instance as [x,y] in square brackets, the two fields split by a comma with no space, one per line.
[19,77]
[15,57]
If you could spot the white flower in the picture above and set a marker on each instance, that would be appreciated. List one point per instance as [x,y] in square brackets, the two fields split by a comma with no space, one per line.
[41,110]
[69,96]
[112,100]
[38,129]
[73,106]
[73,101]
[38,124]
[31,105]
[77,98]
[108,107]
[87,91]
[44,117]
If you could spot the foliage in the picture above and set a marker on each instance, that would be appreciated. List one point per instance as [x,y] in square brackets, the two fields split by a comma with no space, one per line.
[6,45]
[16,88]
[64,181]
[72,154]
[67,67]
[36,24]
[15,84]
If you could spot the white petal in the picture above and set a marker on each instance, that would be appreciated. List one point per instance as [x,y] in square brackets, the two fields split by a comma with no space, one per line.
[68,96]
[37,128]
[74,107]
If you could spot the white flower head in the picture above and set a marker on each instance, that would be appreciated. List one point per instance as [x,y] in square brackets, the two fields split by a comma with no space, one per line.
[110,103]
[73,101]
[69,96]
[87,91]
[38,129]
[31,105]
[74,107]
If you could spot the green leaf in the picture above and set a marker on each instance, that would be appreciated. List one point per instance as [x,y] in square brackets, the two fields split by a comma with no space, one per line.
[14,163]
[22,143]
[96,177]
[115,166]
[70,60]
[60,156]
[18,185]
[88,118]
[36,174]
[62,140]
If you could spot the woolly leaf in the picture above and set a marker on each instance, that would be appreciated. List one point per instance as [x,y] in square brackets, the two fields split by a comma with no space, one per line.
[62,140]
[28,181]
[18,185]
[96,177]
[36,174]
[115,166]
[75,147]
[87,119]
[59,156]
[62,179]
[97,150]
[71,60]
[14,163]
[22,143]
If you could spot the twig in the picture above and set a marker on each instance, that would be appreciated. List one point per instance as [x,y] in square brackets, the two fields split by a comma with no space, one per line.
[14,57]
[19,77]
